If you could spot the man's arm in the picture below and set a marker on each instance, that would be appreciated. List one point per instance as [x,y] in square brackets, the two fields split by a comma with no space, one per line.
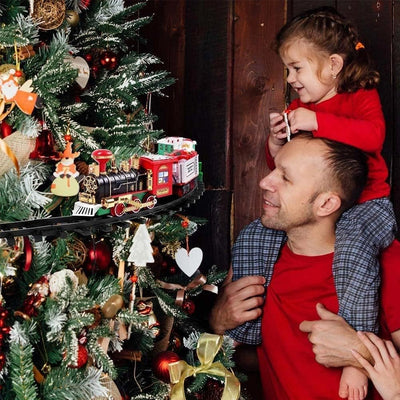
[237,302]
[333,340]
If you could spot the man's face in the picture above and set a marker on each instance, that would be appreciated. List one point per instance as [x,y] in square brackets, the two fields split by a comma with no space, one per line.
[290,190]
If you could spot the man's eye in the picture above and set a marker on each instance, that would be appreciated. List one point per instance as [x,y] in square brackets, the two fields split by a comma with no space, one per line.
[284,177]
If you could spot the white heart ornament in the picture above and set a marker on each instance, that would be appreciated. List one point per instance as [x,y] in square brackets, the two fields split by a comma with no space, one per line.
[189,262]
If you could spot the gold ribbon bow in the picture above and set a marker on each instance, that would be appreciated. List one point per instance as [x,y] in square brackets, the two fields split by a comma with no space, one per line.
[207,348]
[200,280]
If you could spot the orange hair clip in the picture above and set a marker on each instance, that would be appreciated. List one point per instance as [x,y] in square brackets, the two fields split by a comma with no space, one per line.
[359,46]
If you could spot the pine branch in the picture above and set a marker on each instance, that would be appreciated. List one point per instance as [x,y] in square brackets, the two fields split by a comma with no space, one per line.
[101,359]
[23,383]
[73,384]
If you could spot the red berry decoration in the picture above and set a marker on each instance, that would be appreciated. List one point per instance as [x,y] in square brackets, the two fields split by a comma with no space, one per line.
[88,57]
[172,270]
[188,306]
[109,60]
[185,224]
[161,362]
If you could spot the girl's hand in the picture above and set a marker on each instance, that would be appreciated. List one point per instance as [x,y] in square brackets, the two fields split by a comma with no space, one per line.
[302,119]
[277,133]
[385,374]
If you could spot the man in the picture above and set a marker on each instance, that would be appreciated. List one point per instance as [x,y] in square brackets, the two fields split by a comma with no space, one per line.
[304,196]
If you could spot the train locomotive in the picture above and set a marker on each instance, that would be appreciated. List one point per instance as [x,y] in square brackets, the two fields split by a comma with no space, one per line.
[139,182]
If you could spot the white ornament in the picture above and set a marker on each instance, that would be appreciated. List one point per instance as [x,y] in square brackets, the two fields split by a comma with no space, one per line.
[83,68]
[141,252]
[58,281]
[189,262]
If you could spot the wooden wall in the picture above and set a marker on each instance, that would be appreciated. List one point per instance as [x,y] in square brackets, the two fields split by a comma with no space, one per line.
[228,79]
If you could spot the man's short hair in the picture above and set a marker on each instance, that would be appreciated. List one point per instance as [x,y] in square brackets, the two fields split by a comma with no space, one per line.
[349,169]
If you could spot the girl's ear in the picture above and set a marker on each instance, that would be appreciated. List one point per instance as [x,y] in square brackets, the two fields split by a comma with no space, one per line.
[336,62]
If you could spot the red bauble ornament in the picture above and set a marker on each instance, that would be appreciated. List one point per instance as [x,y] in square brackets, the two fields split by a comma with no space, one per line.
[5,130]
[98,257]
[161,362]
[109,60]
[188,306]
[185,224]
[82,357]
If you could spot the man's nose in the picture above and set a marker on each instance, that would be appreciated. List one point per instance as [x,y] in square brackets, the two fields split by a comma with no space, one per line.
[267,183]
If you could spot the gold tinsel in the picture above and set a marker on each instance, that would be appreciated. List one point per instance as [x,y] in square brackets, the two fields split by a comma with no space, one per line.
[171,248]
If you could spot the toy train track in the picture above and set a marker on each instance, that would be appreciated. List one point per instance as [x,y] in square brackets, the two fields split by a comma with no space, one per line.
[59,226]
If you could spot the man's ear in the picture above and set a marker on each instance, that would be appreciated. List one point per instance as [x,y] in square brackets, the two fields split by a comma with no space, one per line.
[336,62]
[327,203]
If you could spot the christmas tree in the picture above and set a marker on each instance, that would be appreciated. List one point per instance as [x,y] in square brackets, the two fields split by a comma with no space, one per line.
[93,303]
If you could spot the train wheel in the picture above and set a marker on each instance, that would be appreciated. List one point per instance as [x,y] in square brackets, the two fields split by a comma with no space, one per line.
[118,210]
[135,205]
[149,198]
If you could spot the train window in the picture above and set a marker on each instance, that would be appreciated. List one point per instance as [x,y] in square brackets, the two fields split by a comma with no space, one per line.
[162,177]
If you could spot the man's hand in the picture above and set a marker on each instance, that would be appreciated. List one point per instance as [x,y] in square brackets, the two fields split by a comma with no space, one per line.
[237,303]
[333,340]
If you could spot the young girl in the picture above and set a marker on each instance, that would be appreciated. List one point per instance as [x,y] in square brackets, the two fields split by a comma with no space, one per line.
[329,69]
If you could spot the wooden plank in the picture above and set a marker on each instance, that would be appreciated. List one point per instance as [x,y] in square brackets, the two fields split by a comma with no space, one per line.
[206,85]
[258,88]
[165,37]
[207,117]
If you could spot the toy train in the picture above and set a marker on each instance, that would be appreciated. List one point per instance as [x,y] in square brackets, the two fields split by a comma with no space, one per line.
[139,182]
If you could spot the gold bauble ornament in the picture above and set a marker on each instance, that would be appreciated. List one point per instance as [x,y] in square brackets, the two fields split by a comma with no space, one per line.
[72,18]
[112,306]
